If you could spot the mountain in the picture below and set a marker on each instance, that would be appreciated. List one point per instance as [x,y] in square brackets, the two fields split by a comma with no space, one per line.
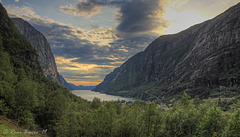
[70,86]
[41,45]
[26,95]
[64,83]
[107,81]
[15,50]
[203,60]
[80,87]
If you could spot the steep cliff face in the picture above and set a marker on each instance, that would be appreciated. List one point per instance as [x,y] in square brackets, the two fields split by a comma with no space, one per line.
[12,42]
[41,45]
[107,81]
[203,60]
[64,83]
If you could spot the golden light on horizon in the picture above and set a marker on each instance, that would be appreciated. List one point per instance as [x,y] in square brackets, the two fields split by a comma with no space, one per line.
[83,83]
[68,65]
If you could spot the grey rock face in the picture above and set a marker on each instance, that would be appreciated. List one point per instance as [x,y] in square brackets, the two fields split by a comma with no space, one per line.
[64,83]
[200,59]
[107,81]
[41,45]
[15,44]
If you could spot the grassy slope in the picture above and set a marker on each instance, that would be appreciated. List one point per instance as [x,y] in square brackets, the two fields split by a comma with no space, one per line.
[9,128]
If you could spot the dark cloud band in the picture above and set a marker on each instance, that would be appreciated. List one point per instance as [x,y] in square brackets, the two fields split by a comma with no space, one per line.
[136,17]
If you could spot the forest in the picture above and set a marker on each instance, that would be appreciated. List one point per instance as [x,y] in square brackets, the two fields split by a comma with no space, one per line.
[32,100]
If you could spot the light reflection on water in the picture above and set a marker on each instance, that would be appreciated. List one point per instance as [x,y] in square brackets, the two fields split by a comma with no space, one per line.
[90,95]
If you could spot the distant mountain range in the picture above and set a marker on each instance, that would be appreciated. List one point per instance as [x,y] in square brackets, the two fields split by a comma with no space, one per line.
[64,83]
[80,87]
[203,60]
[70,86]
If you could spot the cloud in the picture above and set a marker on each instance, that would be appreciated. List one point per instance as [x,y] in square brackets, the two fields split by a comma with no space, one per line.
[25,12]
[16,0]
[80,68]
[92,53]
[82,9]
[139,18]
[86,56]
[135,18]
[82,74]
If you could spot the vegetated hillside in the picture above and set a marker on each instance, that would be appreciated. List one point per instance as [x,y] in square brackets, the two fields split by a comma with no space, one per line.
[9,128]
[34,102]
[202,60]
[41,45]
[26,96]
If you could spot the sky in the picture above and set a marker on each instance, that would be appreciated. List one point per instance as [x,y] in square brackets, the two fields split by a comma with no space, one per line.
[89,38]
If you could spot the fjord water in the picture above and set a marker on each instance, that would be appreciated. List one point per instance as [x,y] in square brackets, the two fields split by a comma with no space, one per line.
[90,95]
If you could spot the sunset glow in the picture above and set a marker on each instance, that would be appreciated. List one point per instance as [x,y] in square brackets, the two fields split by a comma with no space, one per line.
[91,38]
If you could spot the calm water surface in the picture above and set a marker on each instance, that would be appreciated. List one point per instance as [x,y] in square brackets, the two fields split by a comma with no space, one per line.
[90,95]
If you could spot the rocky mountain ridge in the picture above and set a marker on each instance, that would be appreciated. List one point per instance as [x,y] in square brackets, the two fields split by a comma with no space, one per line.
[107,81]
[202,60]
[41,45]
[64,83]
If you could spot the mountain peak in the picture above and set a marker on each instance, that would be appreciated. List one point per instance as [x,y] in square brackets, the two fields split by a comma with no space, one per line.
[41,45]
[198,60]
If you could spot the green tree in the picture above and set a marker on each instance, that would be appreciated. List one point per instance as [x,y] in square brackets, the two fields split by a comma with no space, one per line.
[102,123]
[3,107]
[96,103]
[181,122]
[7,93]
[233,128]
[197,101]
[129,123]
[26,95]
[27,119]
[56,105]
[1,44]
[6,69]
[185,100]
[151,121]
[182,119]
[212,123]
